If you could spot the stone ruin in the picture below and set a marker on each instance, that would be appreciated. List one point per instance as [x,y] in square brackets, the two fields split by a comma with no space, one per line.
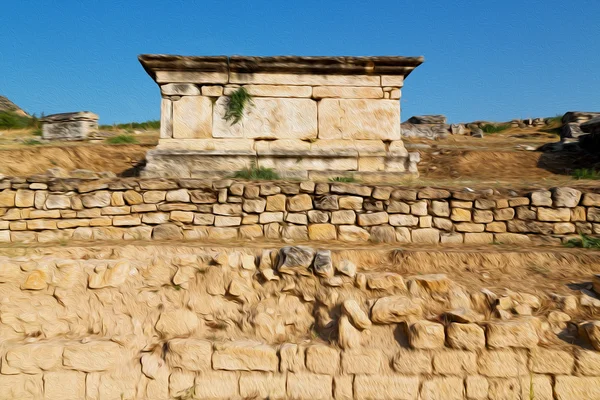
[304,117]
[69,126]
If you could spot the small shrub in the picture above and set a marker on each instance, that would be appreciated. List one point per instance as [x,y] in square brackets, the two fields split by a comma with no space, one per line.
[256,173]
[236,104]
[37,132]
[122,139]
[147,125]
[31,142]
[584,173]
[584,242]
[491,128]
[344,179]
[11,120]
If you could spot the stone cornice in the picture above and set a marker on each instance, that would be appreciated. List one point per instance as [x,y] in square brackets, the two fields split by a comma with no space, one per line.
[376,65]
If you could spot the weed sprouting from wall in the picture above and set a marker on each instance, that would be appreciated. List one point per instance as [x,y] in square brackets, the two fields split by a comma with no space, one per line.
[236,105]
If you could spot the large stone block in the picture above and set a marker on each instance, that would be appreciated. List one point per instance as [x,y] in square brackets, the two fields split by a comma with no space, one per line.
[368,387]
[93,356]
[263,386]
[580,388]
[359,119]
[190,354]
[32,358]
[443,388]
[192,117]
[304,386]
[216,385]
[268,118]
[64,385]
[244,356]
[322,359]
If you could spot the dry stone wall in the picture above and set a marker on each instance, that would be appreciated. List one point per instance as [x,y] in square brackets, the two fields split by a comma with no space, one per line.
[42,209]
[290,323]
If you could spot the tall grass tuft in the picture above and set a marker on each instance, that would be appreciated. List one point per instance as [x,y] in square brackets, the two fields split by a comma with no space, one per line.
[236,105]
[256,173]
[584,242]
[491,128]
[584,173]
[344,179]
[122,139]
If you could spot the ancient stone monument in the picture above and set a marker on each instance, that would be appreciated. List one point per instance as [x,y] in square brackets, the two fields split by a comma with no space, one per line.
[69,126]
[305,117]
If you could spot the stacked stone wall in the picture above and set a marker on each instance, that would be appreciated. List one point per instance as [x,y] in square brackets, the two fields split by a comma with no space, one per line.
[45,209]
[290,323]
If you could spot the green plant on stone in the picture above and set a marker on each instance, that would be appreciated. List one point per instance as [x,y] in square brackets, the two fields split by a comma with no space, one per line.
[344,179]
[122,139]
[31,142]
[584,173]
[256,173]
[585,242]
[491,128]
[236,104]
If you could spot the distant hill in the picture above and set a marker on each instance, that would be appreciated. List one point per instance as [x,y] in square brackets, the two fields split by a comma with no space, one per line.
[7,105]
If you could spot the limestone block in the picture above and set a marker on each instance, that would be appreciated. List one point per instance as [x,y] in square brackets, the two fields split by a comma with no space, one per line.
[322,359]
[587,362]
[64,385]
[301,202]
[212,91]
[469,227]
[394,309]
[419,208]
[356,314]
[32,358]
[359,119]
[343,217]
[24,198]
[350,202]
[216,385]
[443,388]
[93,356]
[96,199]
[426,235]
[580,388]
[479,238]
[305,386]
[554,214]
[426,335]
[392,80]
[7,198]
[565,197]
[541,198]
[342,387]
[502,363]
[190,354]
[362,361]
[351,233]
[279,91]
[547,361]
[322,232]
[244,356]
[589,199]
[267,118]
[180,322]
[440,208]
[403,220]
[477,387]
[514,333]
[455,362]
[254,205]
[111,276]
[192,117]
[465,336]
[223,221]
[179,89]
[297,218]
[291,358]
[304,79]
[393,387]
[412,362]
[460,214]
[347,92]
[370,219]
[21,387]
[264,386]
[485,204]
[254,231]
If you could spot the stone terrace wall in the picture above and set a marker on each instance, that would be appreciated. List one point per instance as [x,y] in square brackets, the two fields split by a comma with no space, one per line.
[45,210]
[113,324]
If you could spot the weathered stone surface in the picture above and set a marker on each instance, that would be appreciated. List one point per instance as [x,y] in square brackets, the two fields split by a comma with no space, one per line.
[281,118]
[322,232]
[359,119]
[322,359]
[32,358]
[443,388]
[190,354]
[357,316]
[291,358]
[93,356]
[216,385]
[394,309]
[395,387]
[176,323]
[580,388]
[265,386]
[192,117]
[294,259]
[362,361]
[426,335]
[502,363]
[515,333]
[244,356]
[64,385]
[305,386]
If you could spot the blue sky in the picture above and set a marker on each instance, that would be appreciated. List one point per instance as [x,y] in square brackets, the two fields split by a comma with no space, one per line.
[493,60]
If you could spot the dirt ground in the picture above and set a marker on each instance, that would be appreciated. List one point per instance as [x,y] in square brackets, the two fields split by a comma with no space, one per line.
[505,159]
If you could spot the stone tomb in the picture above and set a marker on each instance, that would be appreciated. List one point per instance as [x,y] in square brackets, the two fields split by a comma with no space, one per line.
[69,126]
[307,117]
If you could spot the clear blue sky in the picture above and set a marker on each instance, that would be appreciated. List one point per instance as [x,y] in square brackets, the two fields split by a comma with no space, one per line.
[484,59]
